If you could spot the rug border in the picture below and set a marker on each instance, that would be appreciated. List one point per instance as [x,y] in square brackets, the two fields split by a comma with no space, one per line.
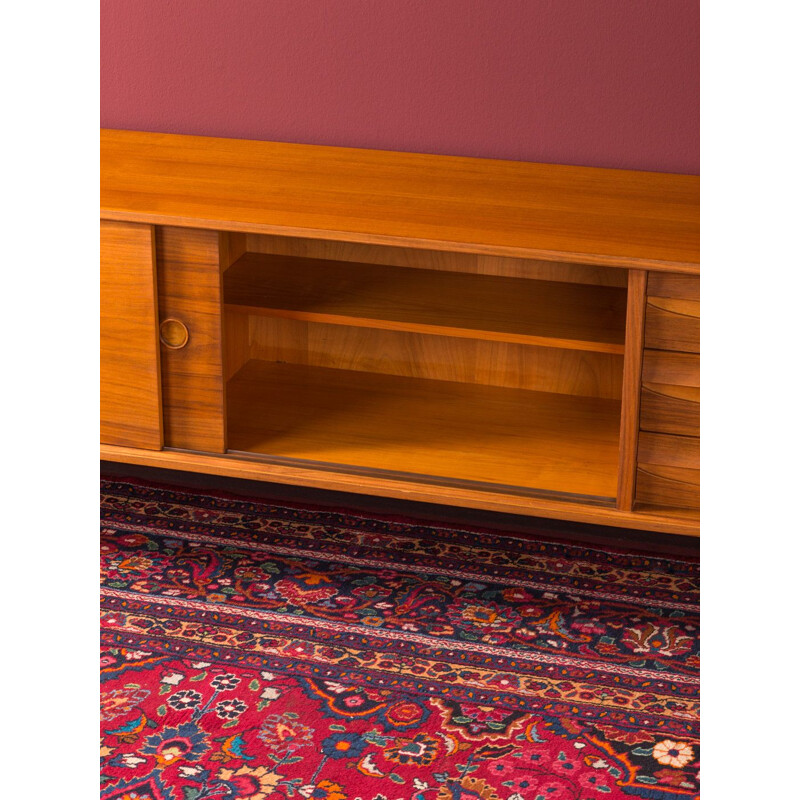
[225,494]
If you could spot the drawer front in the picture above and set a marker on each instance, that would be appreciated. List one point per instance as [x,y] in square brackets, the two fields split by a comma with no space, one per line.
[670,284]
[672,325]
[678,487]
[670,409]
[675,369]
[672,319]
[666,450]
[670,393]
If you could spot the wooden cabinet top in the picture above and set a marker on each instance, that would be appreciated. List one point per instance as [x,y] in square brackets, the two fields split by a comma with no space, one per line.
[508,208]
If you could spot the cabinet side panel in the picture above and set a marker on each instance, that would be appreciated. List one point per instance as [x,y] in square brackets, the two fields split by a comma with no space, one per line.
[189,290]
[130,399]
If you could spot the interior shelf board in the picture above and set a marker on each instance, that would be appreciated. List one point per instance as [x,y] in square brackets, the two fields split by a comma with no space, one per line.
[533,312]
[485,434]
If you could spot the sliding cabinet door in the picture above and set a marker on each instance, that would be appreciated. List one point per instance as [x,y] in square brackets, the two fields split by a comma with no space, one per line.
[130,387]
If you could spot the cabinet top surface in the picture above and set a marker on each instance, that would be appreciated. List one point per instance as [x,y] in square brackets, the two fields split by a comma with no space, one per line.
[508,208]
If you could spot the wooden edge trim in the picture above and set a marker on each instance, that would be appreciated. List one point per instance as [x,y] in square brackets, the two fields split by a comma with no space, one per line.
[234,467]
[631,389]
[683,267]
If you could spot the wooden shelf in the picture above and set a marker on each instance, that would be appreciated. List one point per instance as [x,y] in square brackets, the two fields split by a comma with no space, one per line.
[551,443]
[544,313]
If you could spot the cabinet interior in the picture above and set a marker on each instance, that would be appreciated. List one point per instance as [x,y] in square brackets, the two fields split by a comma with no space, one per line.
[456,367]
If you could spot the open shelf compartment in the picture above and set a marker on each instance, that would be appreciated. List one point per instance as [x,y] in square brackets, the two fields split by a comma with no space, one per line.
[485,381]
[539,441]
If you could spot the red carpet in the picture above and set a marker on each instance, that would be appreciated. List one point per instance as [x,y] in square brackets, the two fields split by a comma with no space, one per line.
[253,651]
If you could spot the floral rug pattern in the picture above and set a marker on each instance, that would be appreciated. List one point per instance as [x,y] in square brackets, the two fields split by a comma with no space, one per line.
[253,651]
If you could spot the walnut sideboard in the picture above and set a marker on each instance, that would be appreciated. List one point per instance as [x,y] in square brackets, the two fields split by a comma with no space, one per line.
[487,334]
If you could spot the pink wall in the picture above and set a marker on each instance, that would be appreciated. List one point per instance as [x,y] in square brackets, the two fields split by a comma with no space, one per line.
[612,83]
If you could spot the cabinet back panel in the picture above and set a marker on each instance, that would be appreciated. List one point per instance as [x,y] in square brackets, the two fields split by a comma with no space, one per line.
[423,356]
[438,260]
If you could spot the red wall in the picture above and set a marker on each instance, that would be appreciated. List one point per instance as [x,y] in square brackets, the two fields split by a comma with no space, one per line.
[611,83]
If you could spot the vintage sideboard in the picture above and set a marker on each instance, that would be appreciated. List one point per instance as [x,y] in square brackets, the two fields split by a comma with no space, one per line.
[486,334]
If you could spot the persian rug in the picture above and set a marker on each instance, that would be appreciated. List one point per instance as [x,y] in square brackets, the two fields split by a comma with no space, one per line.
[253,651]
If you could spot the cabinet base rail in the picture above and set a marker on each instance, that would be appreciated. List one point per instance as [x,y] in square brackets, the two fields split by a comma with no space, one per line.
[235,466]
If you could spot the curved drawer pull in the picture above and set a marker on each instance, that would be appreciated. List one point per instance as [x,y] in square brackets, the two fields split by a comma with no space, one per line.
[174,334]
[688,394]
[683,308]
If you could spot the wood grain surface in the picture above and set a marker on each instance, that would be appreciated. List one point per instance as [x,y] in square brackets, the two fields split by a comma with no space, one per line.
[189,290]
[679,369]
[506,208]
[665,450]
[631,388]
[545,313]
[673,312]
[415,355]
[130,390]
[548,442]
[652,518]
[667,328]
[668,474]
[678,287]
[668,486]
[670,409]
[469,263]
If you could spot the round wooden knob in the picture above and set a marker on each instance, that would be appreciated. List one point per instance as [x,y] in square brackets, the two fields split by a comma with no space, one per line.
[174,334]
